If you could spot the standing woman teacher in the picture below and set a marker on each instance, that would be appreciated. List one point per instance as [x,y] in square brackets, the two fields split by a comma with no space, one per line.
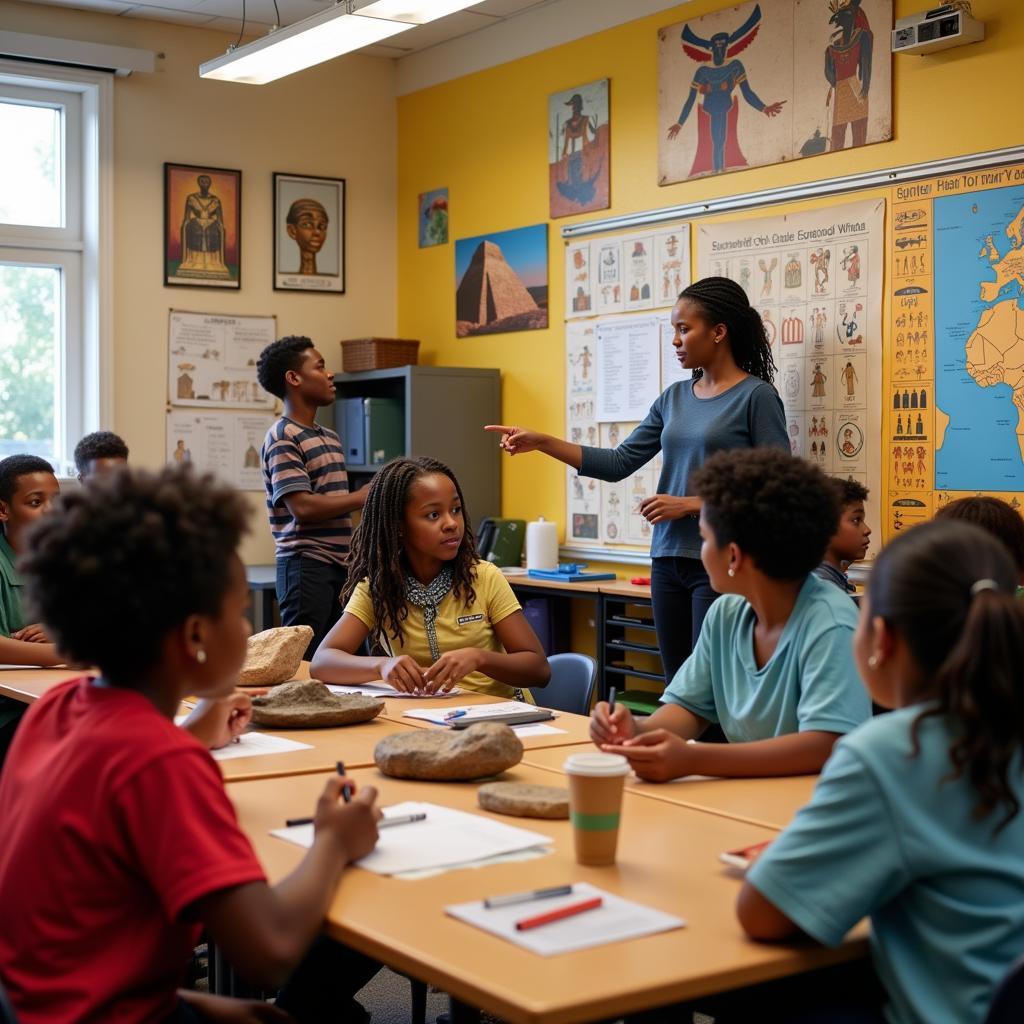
[730,402]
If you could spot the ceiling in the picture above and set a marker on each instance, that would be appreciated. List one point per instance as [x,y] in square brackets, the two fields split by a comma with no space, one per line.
[226,16]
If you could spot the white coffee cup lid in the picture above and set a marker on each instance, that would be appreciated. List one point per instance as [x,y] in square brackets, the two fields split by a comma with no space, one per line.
[596,764]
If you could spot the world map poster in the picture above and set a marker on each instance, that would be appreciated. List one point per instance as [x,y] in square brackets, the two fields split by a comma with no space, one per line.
[956,373]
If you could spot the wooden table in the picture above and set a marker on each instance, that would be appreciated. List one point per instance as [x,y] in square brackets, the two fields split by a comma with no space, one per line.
[767,803]
[576,728]
[29,684]
[667,859]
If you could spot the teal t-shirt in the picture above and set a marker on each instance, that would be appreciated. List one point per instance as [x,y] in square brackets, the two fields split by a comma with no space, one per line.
[10,591]
[885,835]
[809,683]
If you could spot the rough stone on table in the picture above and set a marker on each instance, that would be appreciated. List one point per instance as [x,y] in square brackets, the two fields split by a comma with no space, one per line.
[481,750]
[524,800]
[309,704]
[274,655]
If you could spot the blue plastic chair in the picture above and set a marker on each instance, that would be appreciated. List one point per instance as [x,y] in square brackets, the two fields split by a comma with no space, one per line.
[572,684]
[1008,1003]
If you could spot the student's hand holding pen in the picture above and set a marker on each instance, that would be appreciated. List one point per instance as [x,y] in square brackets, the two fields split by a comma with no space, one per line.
[611,725]
[352,824]
[216,723]
[656,756]
[451,668]
[403,673]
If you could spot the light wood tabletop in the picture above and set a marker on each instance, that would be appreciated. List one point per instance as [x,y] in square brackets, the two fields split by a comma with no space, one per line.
[667,860]
[573,729]
[768,803]
[29,684]
[582,588]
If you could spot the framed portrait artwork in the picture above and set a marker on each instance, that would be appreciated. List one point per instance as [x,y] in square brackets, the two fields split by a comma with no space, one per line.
[202,226]
[309,233]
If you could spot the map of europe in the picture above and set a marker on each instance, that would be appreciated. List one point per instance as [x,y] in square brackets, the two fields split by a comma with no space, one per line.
[979,340]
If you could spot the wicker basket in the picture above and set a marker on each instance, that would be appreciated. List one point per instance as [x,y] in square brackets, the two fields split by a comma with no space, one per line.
[377,353]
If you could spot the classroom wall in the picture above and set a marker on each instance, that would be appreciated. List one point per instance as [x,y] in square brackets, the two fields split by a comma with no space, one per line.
[336,120]
[484,136]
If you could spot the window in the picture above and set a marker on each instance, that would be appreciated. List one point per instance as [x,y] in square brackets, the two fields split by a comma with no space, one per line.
[54,250]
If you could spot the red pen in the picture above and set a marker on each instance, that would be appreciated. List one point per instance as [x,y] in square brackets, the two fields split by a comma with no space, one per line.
[557,915]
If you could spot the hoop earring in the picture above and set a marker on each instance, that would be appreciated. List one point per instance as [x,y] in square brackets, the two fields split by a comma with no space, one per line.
[201,656]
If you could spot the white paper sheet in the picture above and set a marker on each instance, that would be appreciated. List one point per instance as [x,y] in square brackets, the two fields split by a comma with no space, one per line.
[445,839]
[474,712]
[254,744]
[628,367]
[381,689]
[535,729]
[615,921]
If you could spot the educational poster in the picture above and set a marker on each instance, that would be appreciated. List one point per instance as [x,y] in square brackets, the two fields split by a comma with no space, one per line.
[955,395]
[608,263]
[579,284]
[770,81]
[671,264]
[221,443]
[638,259]
[579,147]
[583,494]
[816,280]
[212,360]
[628,367]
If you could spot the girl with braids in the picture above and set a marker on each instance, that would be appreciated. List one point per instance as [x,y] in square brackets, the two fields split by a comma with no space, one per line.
[730,402]
[441,616]
[916,818]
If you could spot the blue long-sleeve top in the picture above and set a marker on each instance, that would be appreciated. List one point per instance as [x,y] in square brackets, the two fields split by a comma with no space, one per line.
[687,429]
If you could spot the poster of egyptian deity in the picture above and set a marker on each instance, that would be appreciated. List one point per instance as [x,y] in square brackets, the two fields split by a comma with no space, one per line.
[771,81]
[578,149]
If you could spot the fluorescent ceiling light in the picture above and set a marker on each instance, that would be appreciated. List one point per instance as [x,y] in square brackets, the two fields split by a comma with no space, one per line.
[340,29]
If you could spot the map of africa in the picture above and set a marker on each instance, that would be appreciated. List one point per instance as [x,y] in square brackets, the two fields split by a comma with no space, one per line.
[979,340]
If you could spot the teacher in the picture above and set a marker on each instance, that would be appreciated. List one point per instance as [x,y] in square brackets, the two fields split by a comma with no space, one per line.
[730,402]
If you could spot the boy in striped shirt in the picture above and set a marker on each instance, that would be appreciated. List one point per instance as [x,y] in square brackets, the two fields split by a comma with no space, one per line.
[308,499]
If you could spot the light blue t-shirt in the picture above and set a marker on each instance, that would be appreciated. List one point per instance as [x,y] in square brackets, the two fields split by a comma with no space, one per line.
[809,683]
[885,835]
[687,429]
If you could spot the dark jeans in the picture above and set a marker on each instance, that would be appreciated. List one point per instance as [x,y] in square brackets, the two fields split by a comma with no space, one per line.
[681,596]
[845,994]
[309,594]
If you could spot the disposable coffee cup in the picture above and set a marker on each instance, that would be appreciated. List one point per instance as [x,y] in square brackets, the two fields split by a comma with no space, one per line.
[595,804]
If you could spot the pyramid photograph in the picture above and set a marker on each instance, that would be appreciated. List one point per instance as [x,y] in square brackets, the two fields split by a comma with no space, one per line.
[502,282]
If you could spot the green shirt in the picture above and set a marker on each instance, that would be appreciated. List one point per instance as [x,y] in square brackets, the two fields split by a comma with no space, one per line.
[11,617]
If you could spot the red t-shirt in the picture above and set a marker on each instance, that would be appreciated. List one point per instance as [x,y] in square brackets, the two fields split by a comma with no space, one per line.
[115,820]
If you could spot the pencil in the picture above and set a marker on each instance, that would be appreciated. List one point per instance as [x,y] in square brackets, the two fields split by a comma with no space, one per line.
[557,915]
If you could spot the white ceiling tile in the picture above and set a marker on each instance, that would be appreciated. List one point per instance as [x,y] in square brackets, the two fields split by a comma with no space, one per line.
[383,50]
[174,17]
[106,6]
[459,24]
[168,5]
[504,8]
[260,12]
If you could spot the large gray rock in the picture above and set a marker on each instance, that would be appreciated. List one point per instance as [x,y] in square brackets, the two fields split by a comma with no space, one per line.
[486,748]
[523,800]
[274,655]
[309,705]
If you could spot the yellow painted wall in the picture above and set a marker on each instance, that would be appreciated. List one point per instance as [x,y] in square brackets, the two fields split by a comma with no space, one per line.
[336,120]
[484,136]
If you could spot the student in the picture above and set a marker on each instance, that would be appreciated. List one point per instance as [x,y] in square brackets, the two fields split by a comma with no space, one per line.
[730,403]
[121,843]
[916,819]
[850,541]
[772,665]
[27,489]
[996,517]
[100,452]
[417,589]
[307,488]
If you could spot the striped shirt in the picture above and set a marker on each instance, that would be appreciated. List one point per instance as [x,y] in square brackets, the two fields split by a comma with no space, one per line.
[295,459]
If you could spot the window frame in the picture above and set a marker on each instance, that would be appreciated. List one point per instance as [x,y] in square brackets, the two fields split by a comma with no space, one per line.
[85,239]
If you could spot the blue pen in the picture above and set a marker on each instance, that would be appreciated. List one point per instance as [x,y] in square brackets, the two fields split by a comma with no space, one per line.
[453,714]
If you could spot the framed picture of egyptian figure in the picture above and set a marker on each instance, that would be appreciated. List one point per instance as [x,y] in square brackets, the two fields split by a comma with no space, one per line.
[309,233]
[202,226]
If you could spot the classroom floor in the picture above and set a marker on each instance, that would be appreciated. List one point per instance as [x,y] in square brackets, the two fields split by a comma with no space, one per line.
[388,1000]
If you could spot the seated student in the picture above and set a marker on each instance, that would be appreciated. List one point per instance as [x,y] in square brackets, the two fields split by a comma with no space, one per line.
[100,452]
[916,818]
[850,541]
[418,590]
[996,517]
[27,489]
[772,664]
[121,843]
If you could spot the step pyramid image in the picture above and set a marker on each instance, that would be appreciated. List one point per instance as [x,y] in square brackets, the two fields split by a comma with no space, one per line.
[490,289]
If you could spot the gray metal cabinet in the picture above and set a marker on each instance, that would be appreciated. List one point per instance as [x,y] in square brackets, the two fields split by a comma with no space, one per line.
[445,409]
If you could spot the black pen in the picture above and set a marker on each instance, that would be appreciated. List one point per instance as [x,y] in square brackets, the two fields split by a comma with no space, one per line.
[611,699]
[398,819]
[346,790]
[527,897]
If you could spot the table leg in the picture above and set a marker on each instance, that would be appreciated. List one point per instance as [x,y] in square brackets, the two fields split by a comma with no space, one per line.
[462,1013]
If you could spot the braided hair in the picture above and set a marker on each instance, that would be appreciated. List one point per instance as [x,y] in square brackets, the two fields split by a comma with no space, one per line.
[378,553]
[722,301]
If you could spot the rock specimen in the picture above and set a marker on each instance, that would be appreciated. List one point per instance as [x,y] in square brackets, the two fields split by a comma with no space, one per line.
[309,704]
[483,749]
[523,800]
[274,655]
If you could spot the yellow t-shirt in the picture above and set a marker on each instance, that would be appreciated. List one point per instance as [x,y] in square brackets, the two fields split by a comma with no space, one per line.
[458,625]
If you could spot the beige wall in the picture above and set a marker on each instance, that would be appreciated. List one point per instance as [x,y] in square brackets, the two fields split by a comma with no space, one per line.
[337,120]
